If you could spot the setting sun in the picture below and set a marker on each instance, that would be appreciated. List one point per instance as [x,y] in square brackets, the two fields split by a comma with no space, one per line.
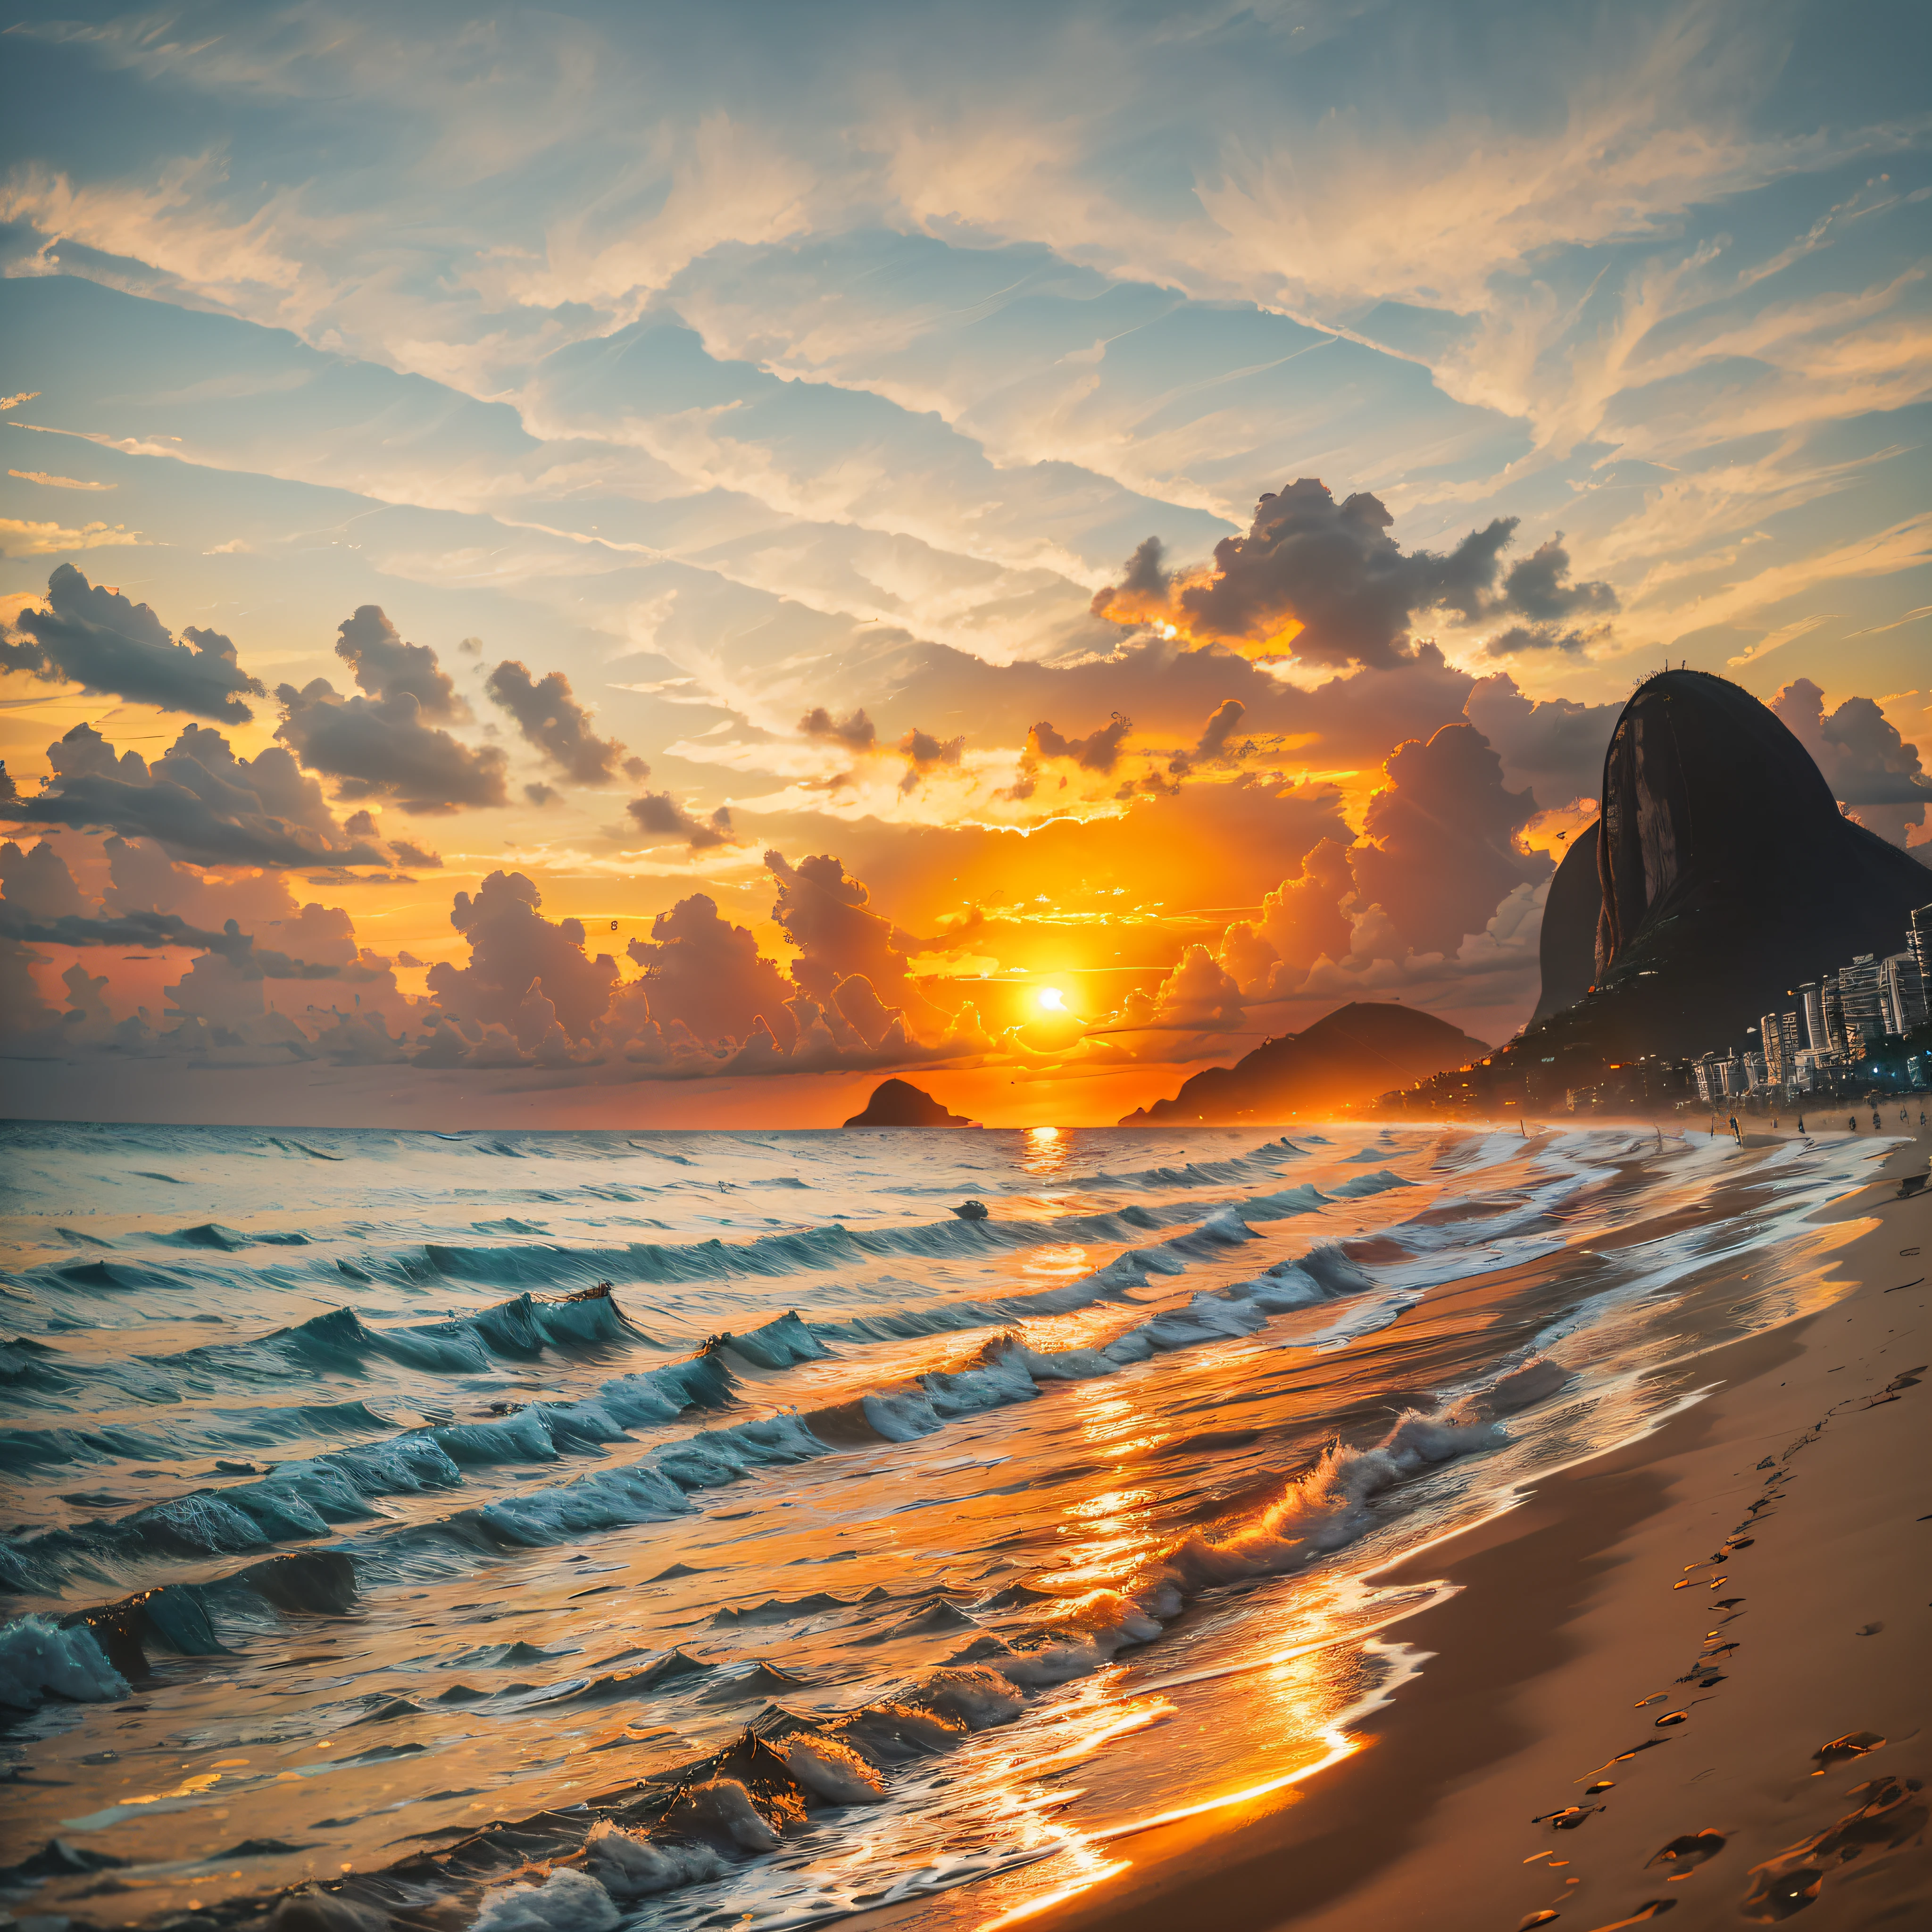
[1053,999]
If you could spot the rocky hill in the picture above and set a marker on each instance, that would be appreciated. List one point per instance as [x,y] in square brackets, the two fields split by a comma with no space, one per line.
[1721,876]
[1352,1054]
[897,1103]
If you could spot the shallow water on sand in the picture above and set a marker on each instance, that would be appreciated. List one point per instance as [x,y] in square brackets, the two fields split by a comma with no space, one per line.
[1003,1536]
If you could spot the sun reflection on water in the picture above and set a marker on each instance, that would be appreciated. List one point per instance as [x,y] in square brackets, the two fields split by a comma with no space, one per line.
[1046,1151]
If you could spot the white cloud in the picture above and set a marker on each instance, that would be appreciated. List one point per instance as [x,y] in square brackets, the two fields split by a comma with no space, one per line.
[57,482]
[21,538]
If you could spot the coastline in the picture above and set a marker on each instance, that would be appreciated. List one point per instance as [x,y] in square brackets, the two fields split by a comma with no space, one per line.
[1567,1623]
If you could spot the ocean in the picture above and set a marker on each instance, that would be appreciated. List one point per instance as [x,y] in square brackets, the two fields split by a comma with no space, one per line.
[682,1529]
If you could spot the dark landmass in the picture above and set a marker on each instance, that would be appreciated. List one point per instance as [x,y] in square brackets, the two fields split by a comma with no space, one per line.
[1567,950]
[897,1103]
[1724,877]
[1352,1055]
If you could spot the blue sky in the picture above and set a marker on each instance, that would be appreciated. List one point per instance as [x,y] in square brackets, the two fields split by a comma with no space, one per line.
[736,361]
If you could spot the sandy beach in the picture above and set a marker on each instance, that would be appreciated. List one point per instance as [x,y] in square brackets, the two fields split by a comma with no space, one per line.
[1688,1676]
[1572,1646]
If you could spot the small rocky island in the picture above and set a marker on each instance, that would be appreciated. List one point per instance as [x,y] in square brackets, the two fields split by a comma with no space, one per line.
[897,1103]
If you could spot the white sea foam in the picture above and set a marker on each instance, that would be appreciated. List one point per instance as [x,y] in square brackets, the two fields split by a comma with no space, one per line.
[39,1659]
[835,1772]
[566,1901]
[629,1867]
[1321,1511]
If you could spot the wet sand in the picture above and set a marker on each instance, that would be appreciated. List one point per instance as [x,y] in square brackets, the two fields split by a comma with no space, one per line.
[1588,1617]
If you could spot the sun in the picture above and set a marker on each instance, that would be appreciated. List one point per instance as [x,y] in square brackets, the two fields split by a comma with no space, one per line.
[1053,999]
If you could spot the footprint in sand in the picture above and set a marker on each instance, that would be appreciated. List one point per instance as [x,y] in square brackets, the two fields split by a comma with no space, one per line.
[1889,1813]
[1841,1750]
[1568,1818]
[1688,1852]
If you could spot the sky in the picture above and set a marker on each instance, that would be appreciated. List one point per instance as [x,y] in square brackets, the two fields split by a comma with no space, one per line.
[652,565]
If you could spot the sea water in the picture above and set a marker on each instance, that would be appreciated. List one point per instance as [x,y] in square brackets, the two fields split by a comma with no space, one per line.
[703,1528]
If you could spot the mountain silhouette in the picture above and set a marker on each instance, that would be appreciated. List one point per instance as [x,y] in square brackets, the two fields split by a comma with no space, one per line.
[899,1103]
[1351,1055]
[1566,952]
[1721,876]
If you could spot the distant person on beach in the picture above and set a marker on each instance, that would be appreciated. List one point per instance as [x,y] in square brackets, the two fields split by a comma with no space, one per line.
[1874,1119]
[1801,1123]
[1852,1125]
[1735,1134]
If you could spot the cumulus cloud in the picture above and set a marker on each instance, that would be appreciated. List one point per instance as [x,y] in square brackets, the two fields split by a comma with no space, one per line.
[856,733]
[261,925]
[383,666]
[1312,578]
[550,717]
[270,783]
[90,635]
[23,1010]
[1099,751]
[1199,995]
[408,853]
[1439,854]
[1489,978]
[37,884]
[1553,745]
[380,748]
[660,818]
[154,929]
[1213,744]
[1520,639]
[705,1002]
[704,974]
[1538,586]
[199,801]
[924,753]
[1220,728]
[1303,919]
[526,973]
[1866,763]
[1322,941]
[1168,686]
[842,942]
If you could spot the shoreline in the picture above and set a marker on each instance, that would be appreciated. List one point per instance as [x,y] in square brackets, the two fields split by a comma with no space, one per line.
[1565,1624]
